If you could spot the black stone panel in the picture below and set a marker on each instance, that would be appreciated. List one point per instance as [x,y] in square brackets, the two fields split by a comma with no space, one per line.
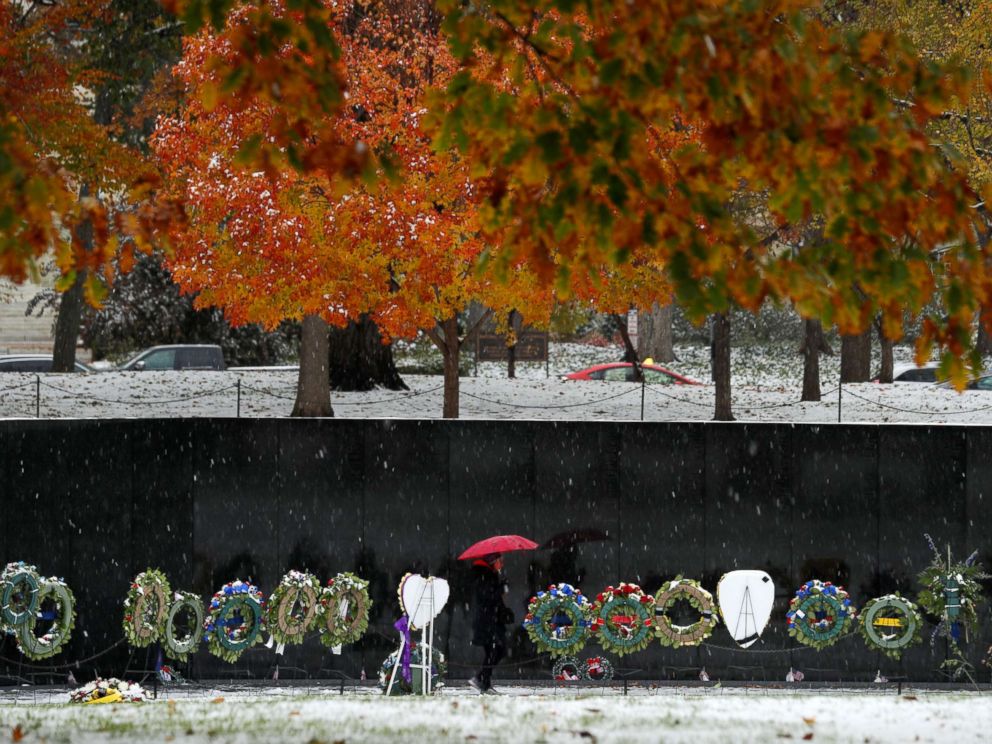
[835,533]
[749,516]
[492,487]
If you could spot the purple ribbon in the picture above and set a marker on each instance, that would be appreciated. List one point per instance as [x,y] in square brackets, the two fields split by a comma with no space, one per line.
[403,626]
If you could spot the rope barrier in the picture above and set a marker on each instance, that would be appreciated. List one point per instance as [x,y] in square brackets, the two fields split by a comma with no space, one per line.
[564,405]
[16,387]
[62,667]
[150,402]
[909,410]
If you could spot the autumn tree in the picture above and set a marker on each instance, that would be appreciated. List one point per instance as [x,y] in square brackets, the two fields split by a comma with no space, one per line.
[808,115]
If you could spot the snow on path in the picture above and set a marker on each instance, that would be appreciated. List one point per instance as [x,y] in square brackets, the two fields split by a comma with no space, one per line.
[694,715]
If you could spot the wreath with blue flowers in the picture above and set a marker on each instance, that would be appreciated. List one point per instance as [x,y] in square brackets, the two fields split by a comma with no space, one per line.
[557,620]
[234,620]
[820,614]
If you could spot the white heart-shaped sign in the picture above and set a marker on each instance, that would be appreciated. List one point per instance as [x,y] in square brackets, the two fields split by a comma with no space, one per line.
[422,599]
[745,599]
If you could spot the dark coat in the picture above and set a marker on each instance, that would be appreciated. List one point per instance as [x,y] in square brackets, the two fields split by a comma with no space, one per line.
[489,620]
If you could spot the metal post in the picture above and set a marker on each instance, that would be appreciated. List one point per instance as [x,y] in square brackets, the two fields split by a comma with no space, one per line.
[239,397]
[37,396]
[840,390]
[643,385]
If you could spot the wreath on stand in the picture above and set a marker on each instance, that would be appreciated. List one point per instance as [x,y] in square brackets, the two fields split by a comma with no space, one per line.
[820,614]
[952,592]
[570,669]
[19,586]
[234,620]
[57,623]
[179,647]
[292,607]
[690,591]
[343,611]
[622,618]
[146,607]
[557,620]
[439,670]
[890,624]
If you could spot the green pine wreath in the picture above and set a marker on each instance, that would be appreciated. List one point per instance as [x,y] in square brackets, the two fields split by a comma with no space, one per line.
[234,620]
[688,590]
[890,624]
[58,626]
[820,614]
[623,619]
[19,587]
[292,608]
[146,607]
[178,647]
[557,620]
[343,611]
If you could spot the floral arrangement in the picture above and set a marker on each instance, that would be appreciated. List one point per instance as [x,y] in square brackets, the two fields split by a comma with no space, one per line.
[439,670]
[146,607]
[952,592]
[623,619]
[890,624]
[292,607]
[690,591]
[598,669]
[110,690]
[19,586]
[62,621]
[343,611]
[557,620]
[234,620]
[593,669]
[820,614]
[180,647]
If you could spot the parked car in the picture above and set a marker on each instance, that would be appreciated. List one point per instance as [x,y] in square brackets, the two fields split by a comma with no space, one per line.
[33,363]
[624,372]
[912,373]
[177,356]
[980,383]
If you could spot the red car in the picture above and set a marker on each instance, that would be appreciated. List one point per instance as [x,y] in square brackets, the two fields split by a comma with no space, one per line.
[624,372]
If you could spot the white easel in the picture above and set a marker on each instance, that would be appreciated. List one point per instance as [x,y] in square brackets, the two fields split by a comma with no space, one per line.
[424,607]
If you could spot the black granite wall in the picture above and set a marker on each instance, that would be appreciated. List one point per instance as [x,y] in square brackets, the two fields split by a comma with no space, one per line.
[208,501]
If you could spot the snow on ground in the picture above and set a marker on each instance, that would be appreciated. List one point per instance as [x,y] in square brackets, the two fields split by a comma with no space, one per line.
[766,387]
[695,715]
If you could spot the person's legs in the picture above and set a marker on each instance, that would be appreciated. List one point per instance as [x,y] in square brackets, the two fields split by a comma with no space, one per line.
[494,652]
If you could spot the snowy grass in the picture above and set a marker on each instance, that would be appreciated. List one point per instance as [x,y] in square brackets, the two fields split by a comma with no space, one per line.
[766,387]
[664,714]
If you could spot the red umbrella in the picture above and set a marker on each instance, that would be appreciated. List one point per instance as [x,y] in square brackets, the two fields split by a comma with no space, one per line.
[497,544]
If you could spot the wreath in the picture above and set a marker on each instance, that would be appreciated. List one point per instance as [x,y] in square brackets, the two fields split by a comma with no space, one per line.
[344,610]
[57,623]
[952,592]
[439,670]
[19,586]
[557,620]
[292,607]
[820,614]
[598,669]
[690,591]
[111,690]
[180,647]
[146,607]
[890,624]
[234,620]
[567,669]
[622,617]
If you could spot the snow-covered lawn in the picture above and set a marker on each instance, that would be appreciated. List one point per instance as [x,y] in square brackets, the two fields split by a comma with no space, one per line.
[766,387]
[721,715]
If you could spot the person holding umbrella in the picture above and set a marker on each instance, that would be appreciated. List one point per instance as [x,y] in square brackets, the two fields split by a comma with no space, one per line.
[491,615]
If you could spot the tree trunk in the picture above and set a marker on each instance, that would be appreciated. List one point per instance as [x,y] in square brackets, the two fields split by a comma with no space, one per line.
[450,351]
[313,391]
[70,313]
[511,350]
[629,352]
[359,361]
[654,338]
[983,342]
[813,345]
[888,366]
[855,357]
[721,366]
